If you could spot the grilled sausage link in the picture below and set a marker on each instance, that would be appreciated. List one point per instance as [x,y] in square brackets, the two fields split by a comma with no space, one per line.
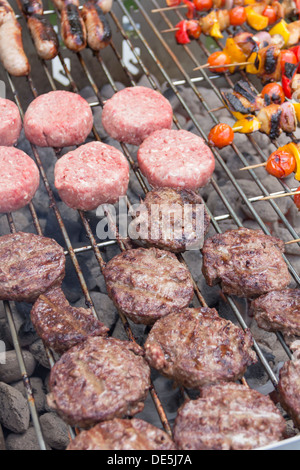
[105,5]
[31,7]
[97,27]
[44,37]
[73,29]
[12,53]
[60,4]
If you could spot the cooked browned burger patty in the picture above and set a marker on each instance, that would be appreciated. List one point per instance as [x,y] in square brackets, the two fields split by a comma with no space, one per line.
[147,284]
[278,311]
[228,416]
[122,434]
[29,265]
[172,219]
[246,262]
[196,347]
[99,379]
[60,325]
[289,386]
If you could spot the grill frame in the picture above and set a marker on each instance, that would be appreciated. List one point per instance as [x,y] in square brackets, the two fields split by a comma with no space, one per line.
[124,244]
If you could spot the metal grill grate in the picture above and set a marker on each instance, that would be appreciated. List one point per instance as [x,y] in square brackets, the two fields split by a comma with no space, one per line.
[172,59]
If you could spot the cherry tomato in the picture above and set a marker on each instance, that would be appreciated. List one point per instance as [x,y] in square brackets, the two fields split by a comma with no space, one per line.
[221,135]
[270,13]
[193,29]
[297,199]
[273,93]
[217,59]
[281,164]
[237,16]
[287,56]
[203,5]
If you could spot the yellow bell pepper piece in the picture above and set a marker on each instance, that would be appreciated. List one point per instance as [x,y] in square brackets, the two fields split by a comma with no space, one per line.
[255,20]
[249,2]
[281,28]
[247,125]
[294,150]
[235,53]
[238,115]
[255,65]
[297,110]
[215,31]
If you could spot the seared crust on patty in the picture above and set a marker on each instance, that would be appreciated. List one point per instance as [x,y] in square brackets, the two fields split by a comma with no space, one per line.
[30,265]
[278,311]
[289,385]
[97,380]
[172,219]
[147,284]
[60,325]
[197,347]
[123,434]
[246,262]
[228,416]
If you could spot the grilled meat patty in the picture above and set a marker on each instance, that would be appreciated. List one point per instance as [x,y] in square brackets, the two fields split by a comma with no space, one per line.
[278,311]
[289,385]
[30,265]
[97,380]
[123,434]
[197,347]
[60,325]
[172,219]
[246,262]
[228,416]
[147,284]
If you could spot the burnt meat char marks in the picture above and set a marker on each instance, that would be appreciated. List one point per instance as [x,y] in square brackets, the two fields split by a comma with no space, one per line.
[123,434]
[30,265]
[246,262]
[60,325]
[171,219]
[289,385]
[176,159]
[278,311]
[98,380]
[146,284]
[228,416]
[196,347]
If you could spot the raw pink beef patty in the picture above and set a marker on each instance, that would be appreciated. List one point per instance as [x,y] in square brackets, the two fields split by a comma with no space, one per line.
[10,122]
[91,175]
[19,179]
[176,159]
[58,119]
[134,113]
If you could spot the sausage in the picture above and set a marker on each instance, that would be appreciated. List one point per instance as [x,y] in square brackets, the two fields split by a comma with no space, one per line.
[97,26]
[44,37]
[12,53]
[105,5]
[6,12]
[30,7]
[60,4]
[73,29]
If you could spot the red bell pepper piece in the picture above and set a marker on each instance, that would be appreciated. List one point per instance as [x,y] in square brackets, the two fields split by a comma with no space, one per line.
[191,9]
[286,85]
[181,34]
[173,3]
[296,50]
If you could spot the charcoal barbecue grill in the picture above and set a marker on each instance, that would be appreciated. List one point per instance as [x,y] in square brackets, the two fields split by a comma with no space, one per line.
[155,54]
